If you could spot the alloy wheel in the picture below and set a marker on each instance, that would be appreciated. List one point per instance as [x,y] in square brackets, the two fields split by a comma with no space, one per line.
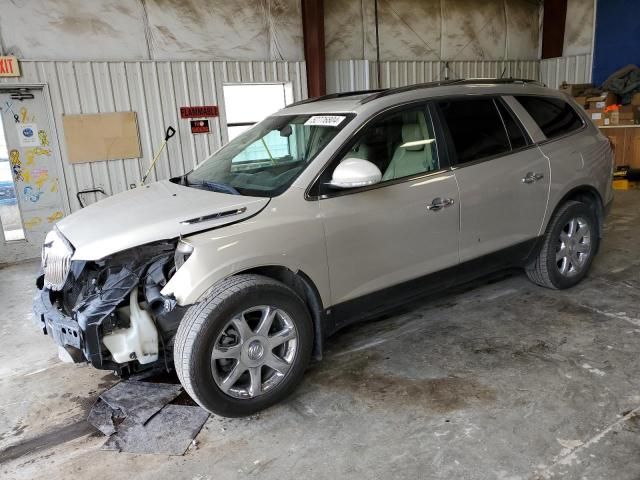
[254,352]
[574,247]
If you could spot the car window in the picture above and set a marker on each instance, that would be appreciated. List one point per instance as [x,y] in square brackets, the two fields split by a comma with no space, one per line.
[554,116]
[266,159]
[475,127]
[514,130]
[400,144]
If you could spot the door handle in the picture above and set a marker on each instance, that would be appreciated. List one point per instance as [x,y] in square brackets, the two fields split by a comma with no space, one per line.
[532,177]
[440,203]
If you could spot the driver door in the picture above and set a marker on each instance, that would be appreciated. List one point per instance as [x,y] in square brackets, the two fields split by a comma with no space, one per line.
[401,229]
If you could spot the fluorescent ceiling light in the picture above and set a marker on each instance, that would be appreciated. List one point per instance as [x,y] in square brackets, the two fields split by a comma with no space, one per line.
[418,142]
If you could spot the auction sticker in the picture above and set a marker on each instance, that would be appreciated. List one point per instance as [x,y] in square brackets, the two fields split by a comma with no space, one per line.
[325,121]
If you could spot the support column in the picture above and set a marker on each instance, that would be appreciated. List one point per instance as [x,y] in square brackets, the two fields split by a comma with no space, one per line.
[553,23]
[314,54]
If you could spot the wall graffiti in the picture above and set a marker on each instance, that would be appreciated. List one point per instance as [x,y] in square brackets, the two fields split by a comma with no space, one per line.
[32,222]
[24,113]
[40,176]
[44,140]
[16,165]
[57,215]
[31,194]
[31,153]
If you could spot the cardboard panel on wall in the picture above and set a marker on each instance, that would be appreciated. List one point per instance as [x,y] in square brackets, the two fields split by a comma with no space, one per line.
[101,136]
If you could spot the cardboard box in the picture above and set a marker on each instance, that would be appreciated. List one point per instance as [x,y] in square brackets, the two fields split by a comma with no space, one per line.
[635,100]
[582,101]
[575,89]
[599,118]
[603,100]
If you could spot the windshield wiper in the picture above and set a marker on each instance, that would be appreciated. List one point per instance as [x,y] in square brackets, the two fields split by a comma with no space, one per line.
[213,186]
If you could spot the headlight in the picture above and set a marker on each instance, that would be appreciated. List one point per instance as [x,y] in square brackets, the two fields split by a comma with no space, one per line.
[56,260]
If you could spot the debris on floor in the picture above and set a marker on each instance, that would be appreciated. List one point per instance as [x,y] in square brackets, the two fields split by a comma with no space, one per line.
[138,418]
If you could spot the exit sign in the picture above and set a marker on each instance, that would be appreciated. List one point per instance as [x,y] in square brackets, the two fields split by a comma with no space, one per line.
[9,66]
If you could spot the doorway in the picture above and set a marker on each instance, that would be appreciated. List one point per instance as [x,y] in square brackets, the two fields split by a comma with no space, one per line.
[30,196]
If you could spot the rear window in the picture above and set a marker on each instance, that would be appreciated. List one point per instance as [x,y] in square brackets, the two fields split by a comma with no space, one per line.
[476,128]
[554,116]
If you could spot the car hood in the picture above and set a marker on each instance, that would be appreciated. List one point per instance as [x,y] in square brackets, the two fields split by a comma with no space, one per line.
[158,211]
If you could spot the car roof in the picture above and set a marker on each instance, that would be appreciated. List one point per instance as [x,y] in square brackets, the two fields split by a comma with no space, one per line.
[361,101]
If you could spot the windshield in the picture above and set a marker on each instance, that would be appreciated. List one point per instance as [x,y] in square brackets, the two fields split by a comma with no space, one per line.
[266,159]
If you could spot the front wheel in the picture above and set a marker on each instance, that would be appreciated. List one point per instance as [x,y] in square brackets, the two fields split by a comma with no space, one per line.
[568,248]
[245,347]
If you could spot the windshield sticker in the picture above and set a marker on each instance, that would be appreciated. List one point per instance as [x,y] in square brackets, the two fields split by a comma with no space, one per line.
[325,121]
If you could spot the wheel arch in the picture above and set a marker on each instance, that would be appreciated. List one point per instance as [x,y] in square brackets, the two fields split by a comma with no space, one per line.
[589,195]
[304,286]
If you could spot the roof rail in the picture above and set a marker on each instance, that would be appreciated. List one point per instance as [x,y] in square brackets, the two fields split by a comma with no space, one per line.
[333,95]
[461,81]
[407,88]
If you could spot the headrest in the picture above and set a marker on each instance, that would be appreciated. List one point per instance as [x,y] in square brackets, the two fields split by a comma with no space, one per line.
[411,133]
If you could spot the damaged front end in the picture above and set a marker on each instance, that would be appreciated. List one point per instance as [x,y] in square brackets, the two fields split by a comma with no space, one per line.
[110,312]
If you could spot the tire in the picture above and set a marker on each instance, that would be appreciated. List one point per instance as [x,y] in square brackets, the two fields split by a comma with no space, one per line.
[217,326]
[547,268]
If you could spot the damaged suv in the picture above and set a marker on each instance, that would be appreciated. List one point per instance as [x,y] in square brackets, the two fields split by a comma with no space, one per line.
[328,211]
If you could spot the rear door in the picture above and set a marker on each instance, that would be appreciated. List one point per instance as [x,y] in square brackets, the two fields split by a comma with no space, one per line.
[502,176]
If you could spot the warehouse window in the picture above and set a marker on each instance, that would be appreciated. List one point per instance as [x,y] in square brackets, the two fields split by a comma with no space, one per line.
[554,116]
[247,104]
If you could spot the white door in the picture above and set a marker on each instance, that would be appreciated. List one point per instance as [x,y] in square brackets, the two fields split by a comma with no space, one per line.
[30,194]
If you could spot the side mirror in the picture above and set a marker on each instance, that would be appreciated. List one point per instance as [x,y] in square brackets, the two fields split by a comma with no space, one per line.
[355,172]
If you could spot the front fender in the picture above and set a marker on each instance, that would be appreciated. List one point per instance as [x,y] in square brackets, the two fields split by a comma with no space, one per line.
[288,234]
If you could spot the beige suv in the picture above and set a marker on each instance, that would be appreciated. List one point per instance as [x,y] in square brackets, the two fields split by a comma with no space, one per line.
[329,211]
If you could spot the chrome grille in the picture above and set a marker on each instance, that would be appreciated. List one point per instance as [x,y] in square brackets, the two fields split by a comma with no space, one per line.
[56,260]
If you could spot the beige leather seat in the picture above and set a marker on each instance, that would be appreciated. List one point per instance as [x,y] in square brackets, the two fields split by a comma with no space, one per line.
[409,160]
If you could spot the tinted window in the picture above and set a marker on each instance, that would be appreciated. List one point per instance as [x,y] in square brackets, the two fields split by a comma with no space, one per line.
[554,116]
[476,128]
[400,144]
[515,132]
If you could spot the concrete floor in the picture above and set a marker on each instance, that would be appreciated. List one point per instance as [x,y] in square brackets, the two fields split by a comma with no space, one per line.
[505,381]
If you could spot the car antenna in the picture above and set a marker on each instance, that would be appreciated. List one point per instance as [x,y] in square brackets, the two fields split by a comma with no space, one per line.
[168,134]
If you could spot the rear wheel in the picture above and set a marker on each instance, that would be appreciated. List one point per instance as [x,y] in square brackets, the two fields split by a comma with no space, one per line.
[245,347]
[568,248]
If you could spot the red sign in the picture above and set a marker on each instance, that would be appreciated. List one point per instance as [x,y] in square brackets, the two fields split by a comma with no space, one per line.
[200,126]
[9,67]
[197,112]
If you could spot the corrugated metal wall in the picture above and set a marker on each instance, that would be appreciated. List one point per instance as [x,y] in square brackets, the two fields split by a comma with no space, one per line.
[572,69]
[345,75]
[155,90]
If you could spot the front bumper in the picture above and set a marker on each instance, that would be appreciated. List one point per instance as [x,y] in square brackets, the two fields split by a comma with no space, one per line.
[64,330]
[83,344]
